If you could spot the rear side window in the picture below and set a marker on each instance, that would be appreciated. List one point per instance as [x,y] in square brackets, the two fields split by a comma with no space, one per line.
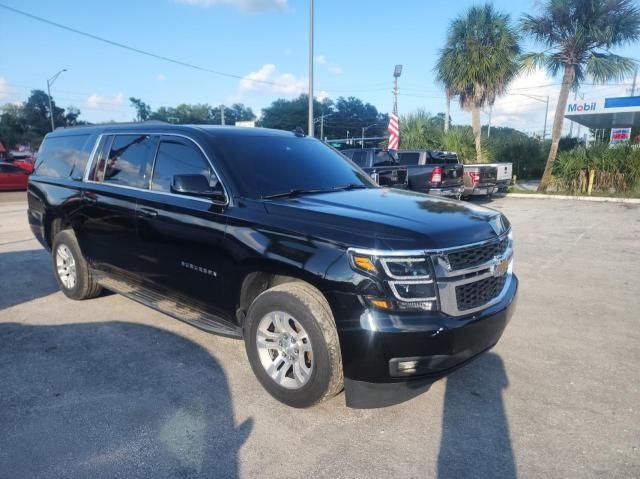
[59,156]
[409,158]
[11,169]
[128,160]
[360,158]
[178,158]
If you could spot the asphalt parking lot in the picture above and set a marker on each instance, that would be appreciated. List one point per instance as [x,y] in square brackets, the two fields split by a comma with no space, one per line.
[109,388]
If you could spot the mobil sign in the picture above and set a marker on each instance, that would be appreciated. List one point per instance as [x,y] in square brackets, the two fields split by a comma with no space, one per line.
[581,107]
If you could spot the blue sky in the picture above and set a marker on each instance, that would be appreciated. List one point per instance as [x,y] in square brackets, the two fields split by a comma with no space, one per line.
[357,44]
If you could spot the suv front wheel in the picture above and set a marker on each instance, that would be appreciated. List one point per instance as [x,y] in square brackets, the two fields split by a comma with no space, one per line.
[292,344]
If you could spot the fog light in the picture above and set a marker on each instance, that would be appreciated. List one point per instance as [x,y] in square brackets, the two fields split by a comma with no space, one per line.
[407,366]
[415,305]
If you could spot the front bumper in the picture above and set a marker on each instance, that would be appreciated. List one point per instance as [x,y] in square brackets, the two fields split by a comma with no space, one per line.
[374,345]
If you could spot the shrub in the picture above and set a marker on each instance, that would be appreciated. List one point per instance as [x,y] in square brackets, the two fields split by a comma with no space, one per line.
[617,168]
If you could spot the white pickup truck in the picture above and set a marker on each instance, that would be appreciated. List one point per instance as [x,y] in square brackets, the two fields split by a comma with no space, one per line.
[504,175]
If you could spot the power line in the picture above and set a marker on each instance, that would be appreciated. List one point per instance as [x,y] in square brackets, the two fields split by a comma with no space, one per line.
[137,50]
[169,59]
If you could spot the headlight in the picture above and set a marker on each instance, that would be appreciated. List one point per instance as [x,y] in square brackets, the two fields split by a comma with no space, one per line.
[410,280]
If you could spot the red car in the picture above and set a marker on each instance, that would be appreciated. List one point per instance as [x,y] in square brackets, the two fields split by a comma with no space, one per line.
[13,177]
[24,161]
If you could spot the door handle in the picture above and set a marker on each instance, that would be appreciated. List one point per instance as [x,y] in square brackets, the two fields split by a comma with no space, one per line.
[147,212]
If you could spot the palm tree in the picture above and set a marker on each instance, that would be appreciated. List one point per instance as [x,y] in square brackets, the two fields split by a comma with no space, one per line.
[578,36]
[479,59]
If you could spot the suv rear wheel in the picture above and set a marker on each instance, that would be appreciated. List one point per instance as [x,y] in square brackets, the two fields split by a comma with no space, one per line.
[292,344]
[71,269]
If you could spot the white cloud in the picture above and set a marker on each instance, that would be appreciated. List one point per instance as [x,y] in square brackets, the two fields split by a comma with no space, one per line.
[322,60]
[256,80]
[96,101]
[267,79]
[524,104]
[5,89]
[161,77]
[251,6]
[322,95]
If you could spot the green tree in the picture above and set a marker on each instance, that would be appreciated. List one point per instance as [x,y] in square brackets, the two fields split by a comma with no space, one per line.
[287,115]
[27,123]
[420,130]
[578,36]
[479,59]
[237,112]
[143,111]
[352,114]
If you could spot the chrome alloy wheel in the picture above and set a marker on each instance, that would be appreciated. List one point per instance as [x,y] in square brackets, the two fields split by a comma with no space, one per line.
[284,349]
[66,266]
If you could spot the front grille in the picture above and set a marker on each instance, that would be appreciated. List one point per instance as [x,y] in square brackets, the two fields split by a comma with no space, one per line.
[471,257]
[473,295]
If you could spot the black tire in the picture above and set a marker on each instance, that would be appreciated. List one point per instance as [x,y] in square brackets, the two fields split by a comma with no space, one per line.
[85,286]
[309,307]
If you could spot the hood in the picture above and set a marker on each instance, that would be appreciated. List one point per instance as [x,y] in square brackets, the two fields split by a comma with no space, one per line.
[388,218]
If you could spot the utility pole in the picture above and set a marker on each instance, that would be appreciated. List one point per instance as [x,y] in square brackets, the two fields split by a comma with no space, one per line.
[633,85]
[322,127]
[310,118]
[546,113]
[49,83]
[489,127]
[222,115]
[396,74]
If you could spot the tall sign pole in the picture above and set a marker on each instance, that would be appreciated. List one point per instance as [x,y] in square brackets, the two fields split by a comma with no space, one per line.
[310,119]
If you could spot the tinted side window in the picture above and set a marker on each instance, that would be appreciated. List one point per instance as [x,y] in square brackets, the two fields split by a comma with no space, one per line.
[77,173]
[11,169]
[360,158]
[409,158]
[128,159]
[383,158]
[59,154]
[178,158]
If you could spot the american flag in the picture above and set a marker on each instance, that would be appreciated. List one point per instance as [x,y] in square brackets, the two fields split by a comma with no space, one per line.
[394,132]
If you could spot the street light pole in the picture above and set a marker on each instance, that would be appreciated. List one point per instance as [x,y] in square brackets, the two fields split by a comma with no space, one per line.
[49,83]
[310,117]
[365,128]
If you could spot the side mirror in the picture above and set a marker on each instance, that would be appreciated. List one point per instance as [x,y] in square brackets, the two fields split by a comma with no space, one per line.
[196,185]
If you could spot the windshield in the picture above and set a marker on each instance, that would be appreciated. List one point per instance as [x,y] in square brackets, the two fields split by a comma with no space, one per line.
[264,166]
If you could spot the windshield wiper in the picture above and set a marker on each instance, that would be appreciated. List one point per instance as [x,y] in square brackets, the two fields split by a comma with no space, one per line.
[296,192]
[308,191]
[350,186]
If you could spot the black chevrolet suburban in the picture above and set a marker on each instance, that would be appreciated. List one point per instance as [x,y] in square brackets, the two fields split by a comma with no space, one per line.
[275,238]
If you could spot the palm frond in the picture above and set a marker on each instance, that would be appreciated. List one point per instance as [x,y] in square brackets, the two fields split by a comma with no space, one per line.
[604,67]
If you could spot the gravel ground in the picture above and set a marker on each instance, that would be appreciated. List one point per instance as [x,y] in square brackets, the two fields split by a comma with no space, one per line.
[109,388]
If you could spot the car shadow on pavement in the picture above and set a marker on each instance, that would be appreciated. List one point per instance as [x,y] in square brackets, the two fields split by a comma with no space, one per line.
[25,275]
[113,399]
[475,431]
